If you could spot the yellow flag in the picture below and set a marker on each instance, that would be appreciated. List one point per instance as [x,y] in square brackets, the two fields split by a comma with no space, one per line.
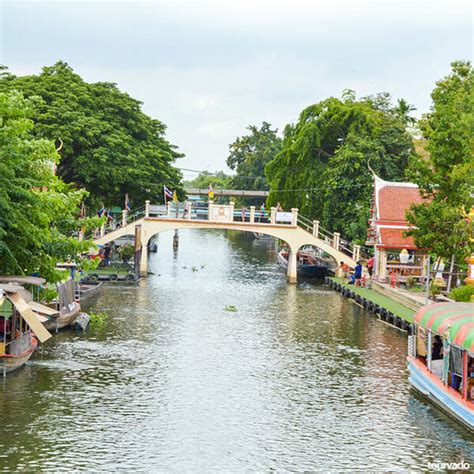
[175,197]
[210,192]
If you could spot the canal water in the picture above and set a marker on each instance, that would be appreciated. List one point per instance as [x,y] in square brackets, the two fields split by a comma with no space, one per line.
[297,378]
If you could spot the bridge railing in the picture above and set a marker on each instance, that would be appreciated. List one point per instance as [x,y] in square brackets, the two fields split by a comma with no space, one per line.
[134,216]
[332,238]
[201,211]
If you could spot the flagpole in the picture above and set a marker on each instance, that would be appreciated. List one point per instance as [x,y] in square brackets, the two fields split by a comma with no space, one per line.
[164,194]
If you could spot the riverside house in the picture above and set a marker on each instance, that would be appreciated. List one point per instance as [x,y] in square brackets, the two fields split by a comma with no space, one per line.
[394,252]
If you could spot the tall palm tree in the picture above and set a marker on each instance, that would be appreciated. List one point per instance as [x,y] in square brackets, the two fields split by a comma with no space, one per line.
[403,109]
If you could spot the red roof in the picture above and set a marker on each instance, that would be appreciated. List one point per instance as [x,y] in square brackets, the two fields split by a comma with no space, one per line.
[394,238]
[393,201]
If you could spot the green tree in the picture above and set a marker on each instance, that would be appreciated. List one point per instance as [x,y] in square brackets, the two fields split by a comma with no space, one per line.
[403,109]
[323,167]
[38,211]
[446,174]
[110,146]
[248,156]
[218,180]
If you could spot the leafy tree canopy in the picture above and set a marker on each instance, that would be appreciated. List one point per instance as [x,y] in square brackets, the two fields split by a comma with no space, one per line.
[248,156]
[218,180]
[323,167]
[110,146]
[446,174]
[37,209]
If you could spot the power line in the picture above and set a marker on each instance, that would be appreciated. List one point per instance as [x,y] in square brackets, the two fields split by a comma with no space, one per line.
[316,189]
[195,171]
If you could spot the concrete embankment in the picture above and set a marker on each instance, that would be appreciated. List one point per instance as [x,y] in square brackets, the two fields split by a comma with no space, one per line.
[385,308]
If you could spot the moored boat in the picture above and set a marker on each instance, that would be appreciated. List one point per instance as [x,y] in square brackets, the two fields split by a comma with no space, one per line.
[66,306]
[441,358]
[20,329]
[308,264]
[56,315]
[86,290]
[152,246]
[260,236]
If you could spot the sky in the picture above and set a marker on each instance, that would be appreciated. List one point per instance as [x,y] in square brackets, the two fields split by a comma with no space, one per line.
[210,69]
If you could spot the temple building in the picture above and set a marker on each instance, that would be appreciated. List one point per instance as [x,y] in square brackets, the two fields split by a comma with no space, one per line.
[393,251]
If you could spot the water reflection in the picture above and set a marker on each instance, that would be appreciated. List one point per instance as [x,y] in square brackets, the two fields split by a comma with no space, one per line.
[297,379]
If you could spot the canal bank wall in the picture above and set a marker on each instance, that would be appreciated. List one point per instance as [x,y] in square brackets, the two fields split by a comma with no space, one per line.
[385,308]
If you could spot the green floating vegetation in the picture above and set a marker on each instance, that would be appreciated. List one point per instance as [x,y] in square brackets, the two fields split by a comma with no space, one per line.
[97,320]
[393,306]
[231,308]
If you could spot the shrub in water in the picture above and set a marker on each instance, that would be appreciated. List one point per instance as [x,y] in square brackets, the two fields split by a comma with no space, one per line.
[97,319]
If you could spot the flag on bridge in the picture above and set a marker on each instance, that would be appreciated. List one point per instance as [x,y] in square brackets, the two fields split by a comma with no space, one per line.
[210,192]
[167,193]
[175,197]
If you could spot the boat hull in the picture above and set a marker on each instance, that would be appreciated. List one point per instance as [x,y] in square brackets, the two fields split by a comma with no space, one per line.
[260,236]
[86,290]
[303,270]
[10,362]
[64,319]
[444,397]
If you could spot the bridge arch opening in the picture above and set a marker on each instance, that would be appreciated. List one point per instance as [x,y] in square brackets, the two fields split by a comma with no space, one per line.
[146,238]
[292,234]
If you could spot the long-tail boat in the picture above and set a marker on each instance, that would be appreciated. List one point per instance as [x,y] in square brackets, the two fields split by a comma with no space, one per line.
[20,329]
[441,358]
[56,315]
[308,264]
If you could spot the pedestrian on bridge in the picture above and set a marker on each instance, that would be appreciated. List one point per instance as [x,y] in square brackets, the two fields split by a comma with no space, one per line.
[243,213]
[262,212]
[186,210]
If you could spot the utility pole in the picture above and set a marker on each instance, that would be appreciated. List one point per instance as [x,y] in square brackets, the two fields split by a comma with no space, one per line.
[427,290]
[450,276]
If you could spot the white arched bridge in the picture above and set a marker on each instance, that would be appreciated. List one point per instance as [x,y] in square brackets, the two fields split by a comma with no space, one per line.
[289,227]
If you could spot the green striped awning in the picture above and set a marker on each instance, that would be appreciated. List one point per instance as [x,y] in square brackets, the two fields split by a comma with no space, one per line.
[454,320]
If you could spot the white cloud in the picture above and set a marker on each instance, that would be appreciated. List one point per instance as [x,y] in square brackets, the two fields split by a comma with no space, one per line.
[209,69]
[204,103]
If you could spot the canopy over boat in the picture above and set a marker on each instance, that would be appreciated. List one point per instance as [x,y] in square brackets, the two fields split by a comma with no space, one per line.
[452,320]
[13,293]
[22,280]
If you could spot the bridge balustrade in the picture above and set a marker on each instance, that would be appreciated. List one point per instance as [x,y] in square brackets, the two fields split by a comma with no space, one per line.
[227,213]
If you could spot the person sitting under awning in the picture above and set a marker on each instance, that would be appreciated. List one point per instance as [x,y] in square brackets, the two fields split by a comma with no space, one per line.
[4,328]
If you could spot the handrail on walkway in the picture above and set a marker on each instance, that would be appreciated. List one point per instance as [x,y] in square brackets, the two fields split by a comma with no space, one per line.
[293,219]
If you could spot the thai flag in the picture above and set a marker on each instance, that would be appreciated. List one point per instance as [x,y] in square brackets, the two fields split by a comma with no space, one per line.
[127,203]
[167,192]
[101,211]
